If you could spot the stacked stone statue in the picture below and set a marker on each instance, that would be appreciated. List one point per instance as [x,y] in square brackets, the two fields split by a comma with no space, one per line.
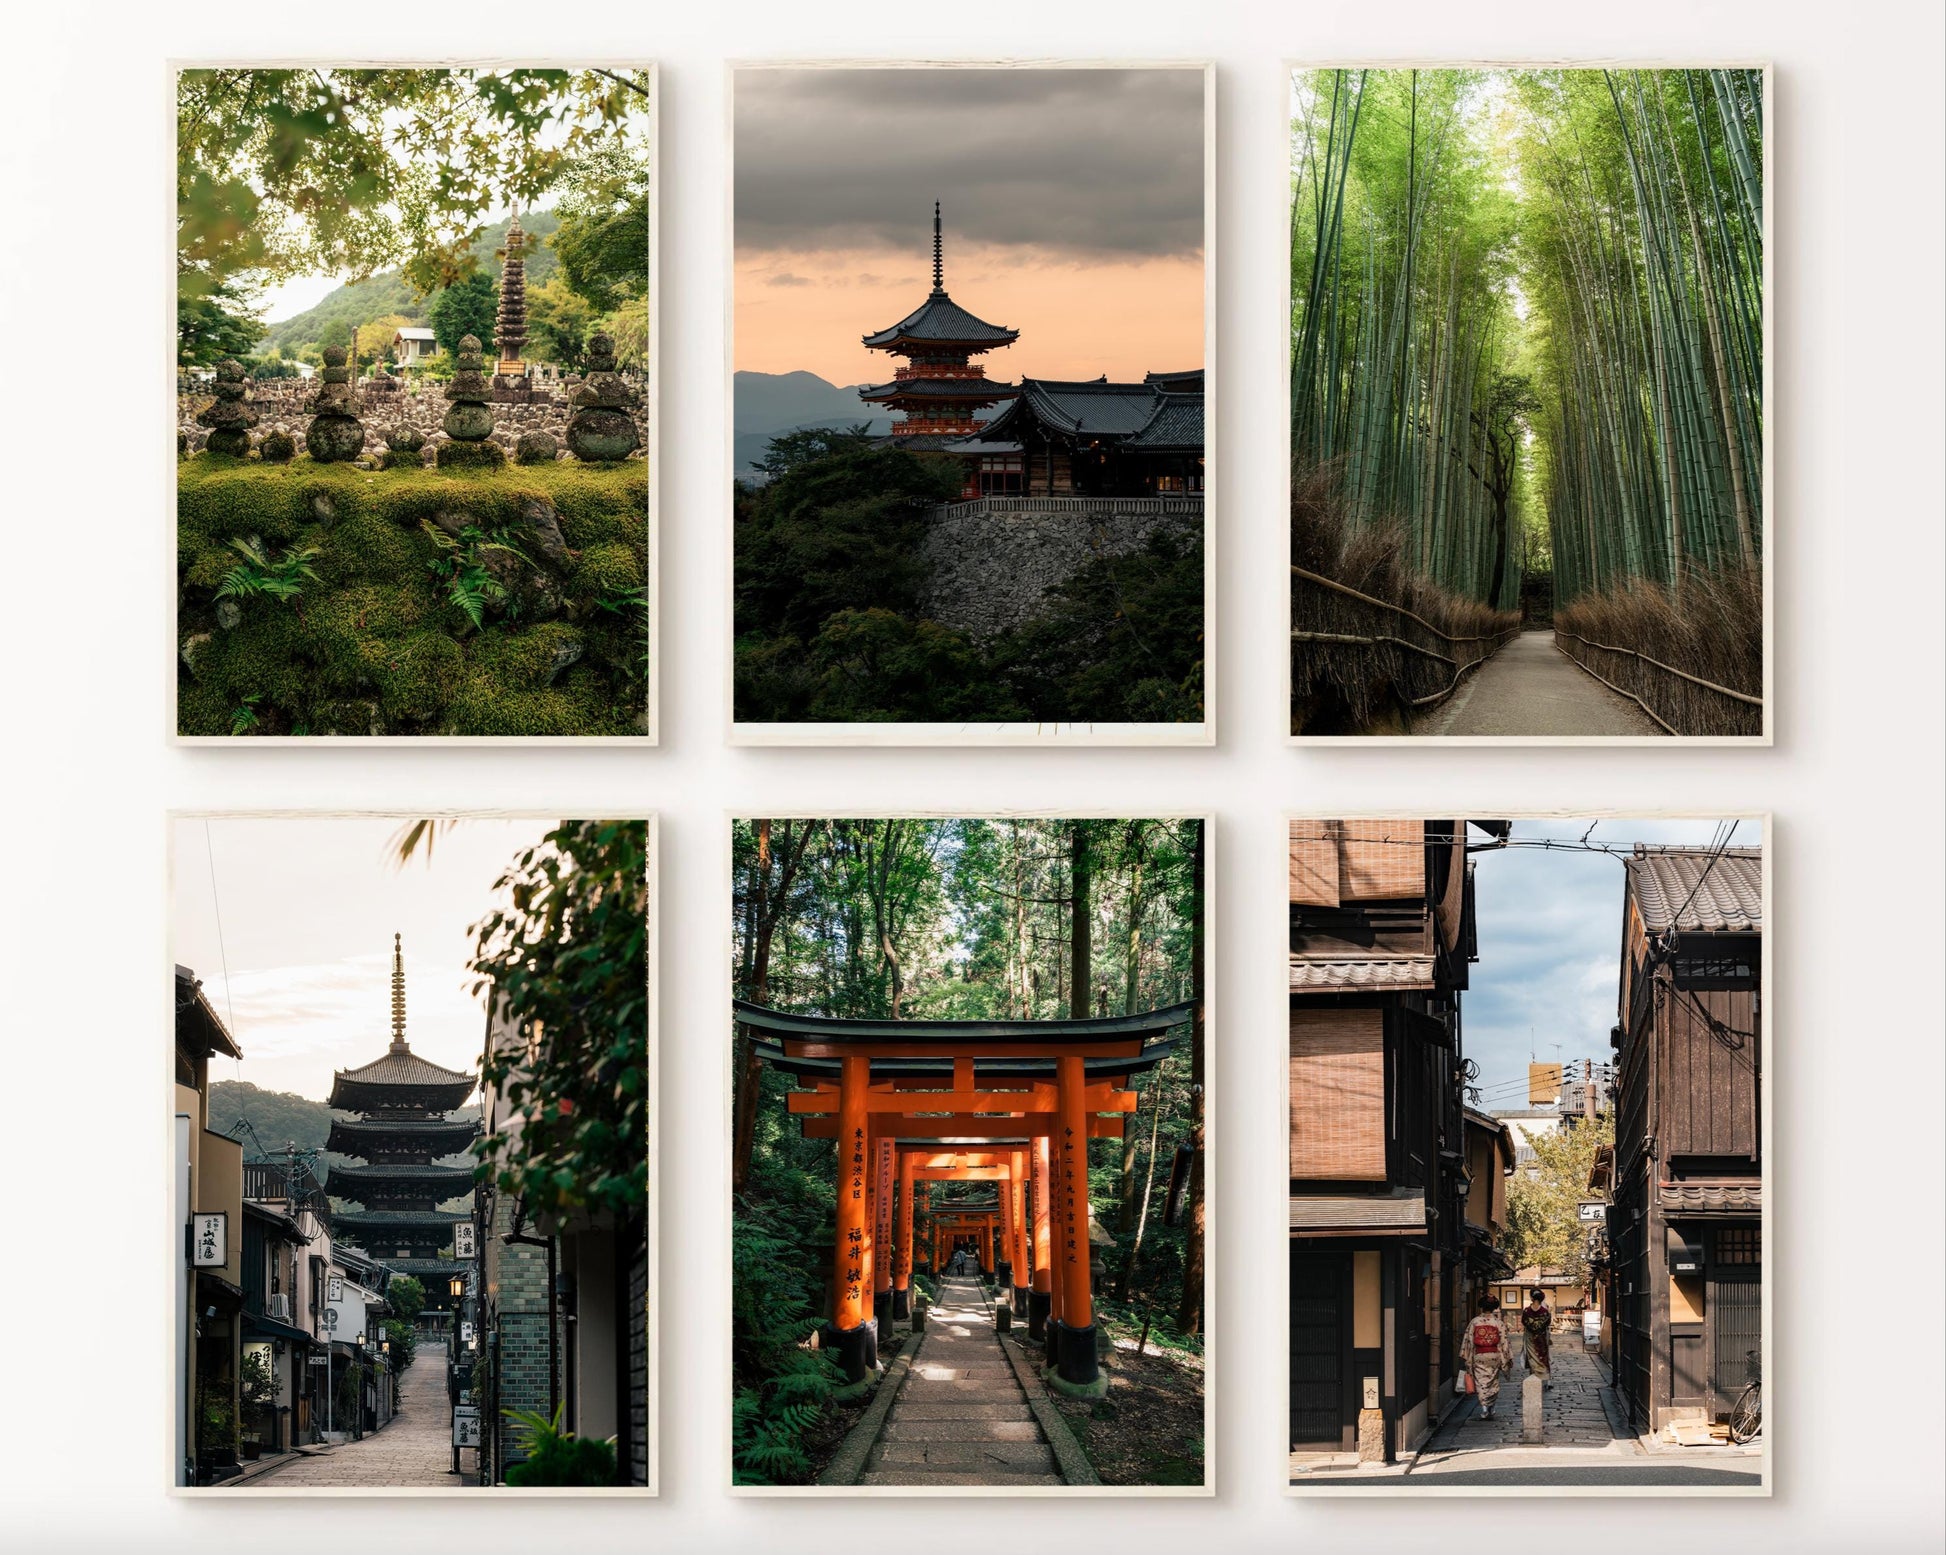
[601,429]
[336,434]
[229,417]
[403,445]
[469,418]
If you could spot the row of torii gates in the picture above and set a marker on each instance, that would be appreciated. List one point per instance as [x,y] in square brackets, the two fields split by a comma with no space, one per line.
[1011,1102]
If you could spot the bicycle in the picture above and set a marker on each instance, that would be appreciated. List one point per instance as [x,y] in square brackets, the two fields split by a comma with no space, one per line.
[1747,1417]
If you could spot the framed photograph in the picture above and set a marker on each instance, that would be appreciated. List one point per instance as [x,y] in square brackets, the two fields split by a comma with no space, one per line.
[1529,1056]
[414,400]
[423,1090]
[1530,362]
[970,366]
[970,1069]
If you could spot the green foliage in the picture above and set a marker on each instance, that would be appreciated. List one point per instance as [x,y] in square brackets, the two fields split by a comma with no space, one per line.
[406,1296]
[322,171]
[555,1457]
[255,1383]
[559,324]
[461,566]
[469,306]
[214,326]
[830,625]
[1544,1227]
[400,1332]
[281,577]
[603,239]
[243,717]
[782,1389]
[378,644]
[567,962]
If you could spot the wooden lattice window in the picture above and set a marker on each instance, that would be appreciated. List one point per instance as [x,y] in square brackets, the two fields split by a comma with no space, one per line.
[1740,1245]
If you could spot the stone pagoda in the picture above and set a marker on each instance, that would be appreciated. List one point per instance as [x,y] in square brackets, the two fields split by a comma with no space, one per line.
[941,389]
[601,430]
[401,1131]
[229,416]
[335,434]
[511,385]
[469,418]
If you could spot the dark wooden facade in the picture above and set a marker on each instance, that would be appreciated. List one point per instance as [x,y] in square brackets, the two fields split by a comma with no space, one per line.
[1685,1225]
[1381,938]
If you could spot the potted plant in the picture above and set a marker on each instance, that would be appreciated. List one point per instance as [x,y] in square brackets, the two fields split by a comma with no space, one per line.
[557,1457]
[258,1389]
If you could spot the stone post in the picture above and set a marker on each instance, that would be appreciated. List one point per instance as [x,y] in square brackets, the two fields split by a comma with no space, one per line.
[229,416]
[335,435]
[469,418]
[601,431]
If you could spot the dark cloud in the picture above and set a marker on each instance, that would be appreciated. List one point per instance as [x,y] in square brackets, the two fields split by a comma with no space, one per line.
[1092,162]
[787,279]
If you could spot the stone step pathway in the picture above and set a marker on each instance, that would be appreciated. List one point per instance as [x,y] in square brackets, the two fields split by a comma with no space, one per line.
[413,1451]
[962,1417]
[1532,688]
[1572,1410]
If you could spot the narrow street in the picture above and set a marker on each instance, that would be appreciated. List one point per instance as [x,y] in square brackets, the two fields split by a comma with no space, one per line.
[413,1452]
[1530,687]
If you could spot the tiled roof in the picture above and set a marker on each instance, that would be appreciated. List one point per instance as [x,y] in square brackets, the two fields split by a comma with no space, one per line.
[941,319]
[379,1219]
[405,1069]
[1403,1209]
[1729,898]
[1176,423]
[343,1177]
[1742,1198]
[1099,407]
[1379,972]
[983,390]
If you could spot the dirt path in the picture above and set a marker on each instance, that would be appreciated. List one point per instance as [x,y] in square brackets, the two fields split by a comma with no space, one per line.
[414,1450]
[962,1417]
[1531,688]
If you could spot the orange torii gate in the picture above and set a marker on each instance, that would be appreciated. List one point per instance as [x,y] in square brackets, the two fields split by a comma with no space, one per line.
[1030,1094]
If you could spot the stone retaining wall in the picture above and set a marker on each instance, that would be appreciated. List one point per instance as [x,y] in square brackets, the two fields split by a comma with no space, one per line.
[990,571]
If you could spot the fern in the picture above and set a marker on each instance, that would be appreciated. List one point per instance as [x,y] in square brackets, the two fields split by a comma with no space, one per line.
[243,719]
[462,567]
[259,573]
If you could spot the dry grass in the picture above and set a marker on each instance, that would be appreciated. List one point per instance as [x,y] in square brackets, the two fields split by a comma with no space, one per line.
[1349,688]
[1716,632]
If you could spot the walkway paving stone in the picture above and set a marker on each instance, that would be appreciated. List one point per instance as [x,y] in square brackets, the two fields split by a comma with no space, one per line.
[1573,1416]
[415,1451]
[962,1417]
[1530,687]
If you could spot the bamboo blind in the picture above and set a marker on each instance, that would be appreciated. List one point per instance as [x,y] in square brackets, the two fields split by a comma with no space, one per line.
[1314,863]
[1337,1078]
[1381,860]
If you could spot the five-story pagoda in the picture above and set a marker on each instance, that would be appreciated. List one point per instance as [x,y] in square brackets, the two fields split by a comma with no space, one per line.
[401,1130]
[941,389]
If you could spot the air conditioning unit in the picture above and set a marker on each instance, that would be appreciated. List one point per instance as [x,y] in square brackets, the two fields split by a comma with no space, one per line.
[278,1307]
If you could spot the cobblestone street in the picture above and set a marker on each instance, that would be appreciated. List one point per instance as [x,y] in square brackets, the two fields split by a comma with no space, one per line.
[413,1452]
[1573,1415]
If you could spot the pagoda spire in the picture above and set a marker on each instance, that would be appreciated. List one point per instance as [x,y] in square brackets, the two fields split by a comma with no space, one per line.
[398,997]
[938,255]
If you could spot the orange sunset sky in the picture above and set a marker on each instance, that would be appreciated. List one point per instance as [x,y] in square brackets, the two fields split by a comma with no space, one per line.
[1073,207]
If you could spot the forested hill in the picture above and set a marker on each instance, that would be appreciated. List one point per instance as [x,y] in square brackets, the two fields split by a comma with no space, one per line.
[388,293]
[279,1117]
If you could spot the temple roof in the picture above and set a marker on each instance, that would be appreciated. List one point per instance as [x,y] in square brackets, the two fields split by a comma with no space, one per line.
[343,1177]
[1164,411]
[980,390]
[1176,423]
[986,1071]
[941,321]
[1106,1029]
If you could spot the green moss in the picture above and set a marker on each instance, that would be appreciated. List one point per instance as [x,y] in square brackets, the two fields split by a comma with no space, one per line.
[373,646]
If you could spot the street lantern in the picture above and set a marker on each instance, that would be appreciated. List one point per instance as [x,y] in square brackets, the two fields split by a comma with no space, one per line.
[456,1286]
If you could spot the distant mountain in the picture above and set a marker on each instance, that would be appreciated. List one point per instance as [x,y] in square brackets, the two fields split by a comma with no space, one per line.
[386,293]
[771,404]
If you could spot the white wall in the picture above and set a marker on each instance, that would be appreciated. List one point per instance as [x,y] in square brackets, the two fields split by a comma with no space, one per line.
[1855,778]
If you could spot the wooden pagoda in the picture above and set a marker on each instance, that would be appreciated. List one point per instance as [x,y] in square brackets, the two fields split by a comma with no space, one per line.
[401,1130]
[941,389]
[1010,1102]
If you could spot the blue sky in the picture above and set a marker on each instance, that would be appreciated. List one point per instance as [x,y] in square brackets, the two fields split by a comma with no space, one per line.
[1550,926]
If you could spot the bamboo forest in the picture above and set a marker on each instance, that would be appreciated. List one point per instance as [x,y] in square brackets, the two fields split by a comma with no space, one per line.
[967,1152]
[1527,402]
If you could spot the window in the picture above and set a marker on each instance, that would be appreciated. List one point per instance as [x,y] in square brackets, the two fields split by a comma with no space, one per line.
[1740,1245]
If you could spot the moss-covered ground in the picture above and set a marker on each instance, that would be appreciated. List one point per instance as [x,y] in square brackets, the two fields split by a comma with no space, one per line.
[375,645]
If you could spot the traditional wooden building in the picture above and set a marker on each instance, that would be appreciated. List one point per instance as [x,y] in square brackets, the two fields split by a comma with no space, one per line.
[1685,1225]
[942,389]
[402,1133]
[1381,1175]
[1092,439]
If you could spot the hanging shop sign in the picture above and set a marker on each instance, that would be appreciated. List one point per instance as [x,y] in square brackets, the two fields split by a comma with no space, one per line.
[209,1239]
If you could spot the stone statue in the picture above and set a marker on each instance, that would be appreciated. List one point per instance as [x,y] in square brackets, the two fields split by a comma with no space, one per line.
[403,449]
[336,435]
[469,418]
[229,417]
[601,430]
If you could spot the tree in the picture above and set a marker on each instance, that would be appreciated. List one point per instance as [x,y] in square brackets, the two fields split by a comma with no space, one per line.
[375,337]
[319,171]
[214,327]
[559,323]
[406,1296]
[467,307]
[566,962]
[603,239]
[1544,1227]
[788,450]
[1189,1311]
